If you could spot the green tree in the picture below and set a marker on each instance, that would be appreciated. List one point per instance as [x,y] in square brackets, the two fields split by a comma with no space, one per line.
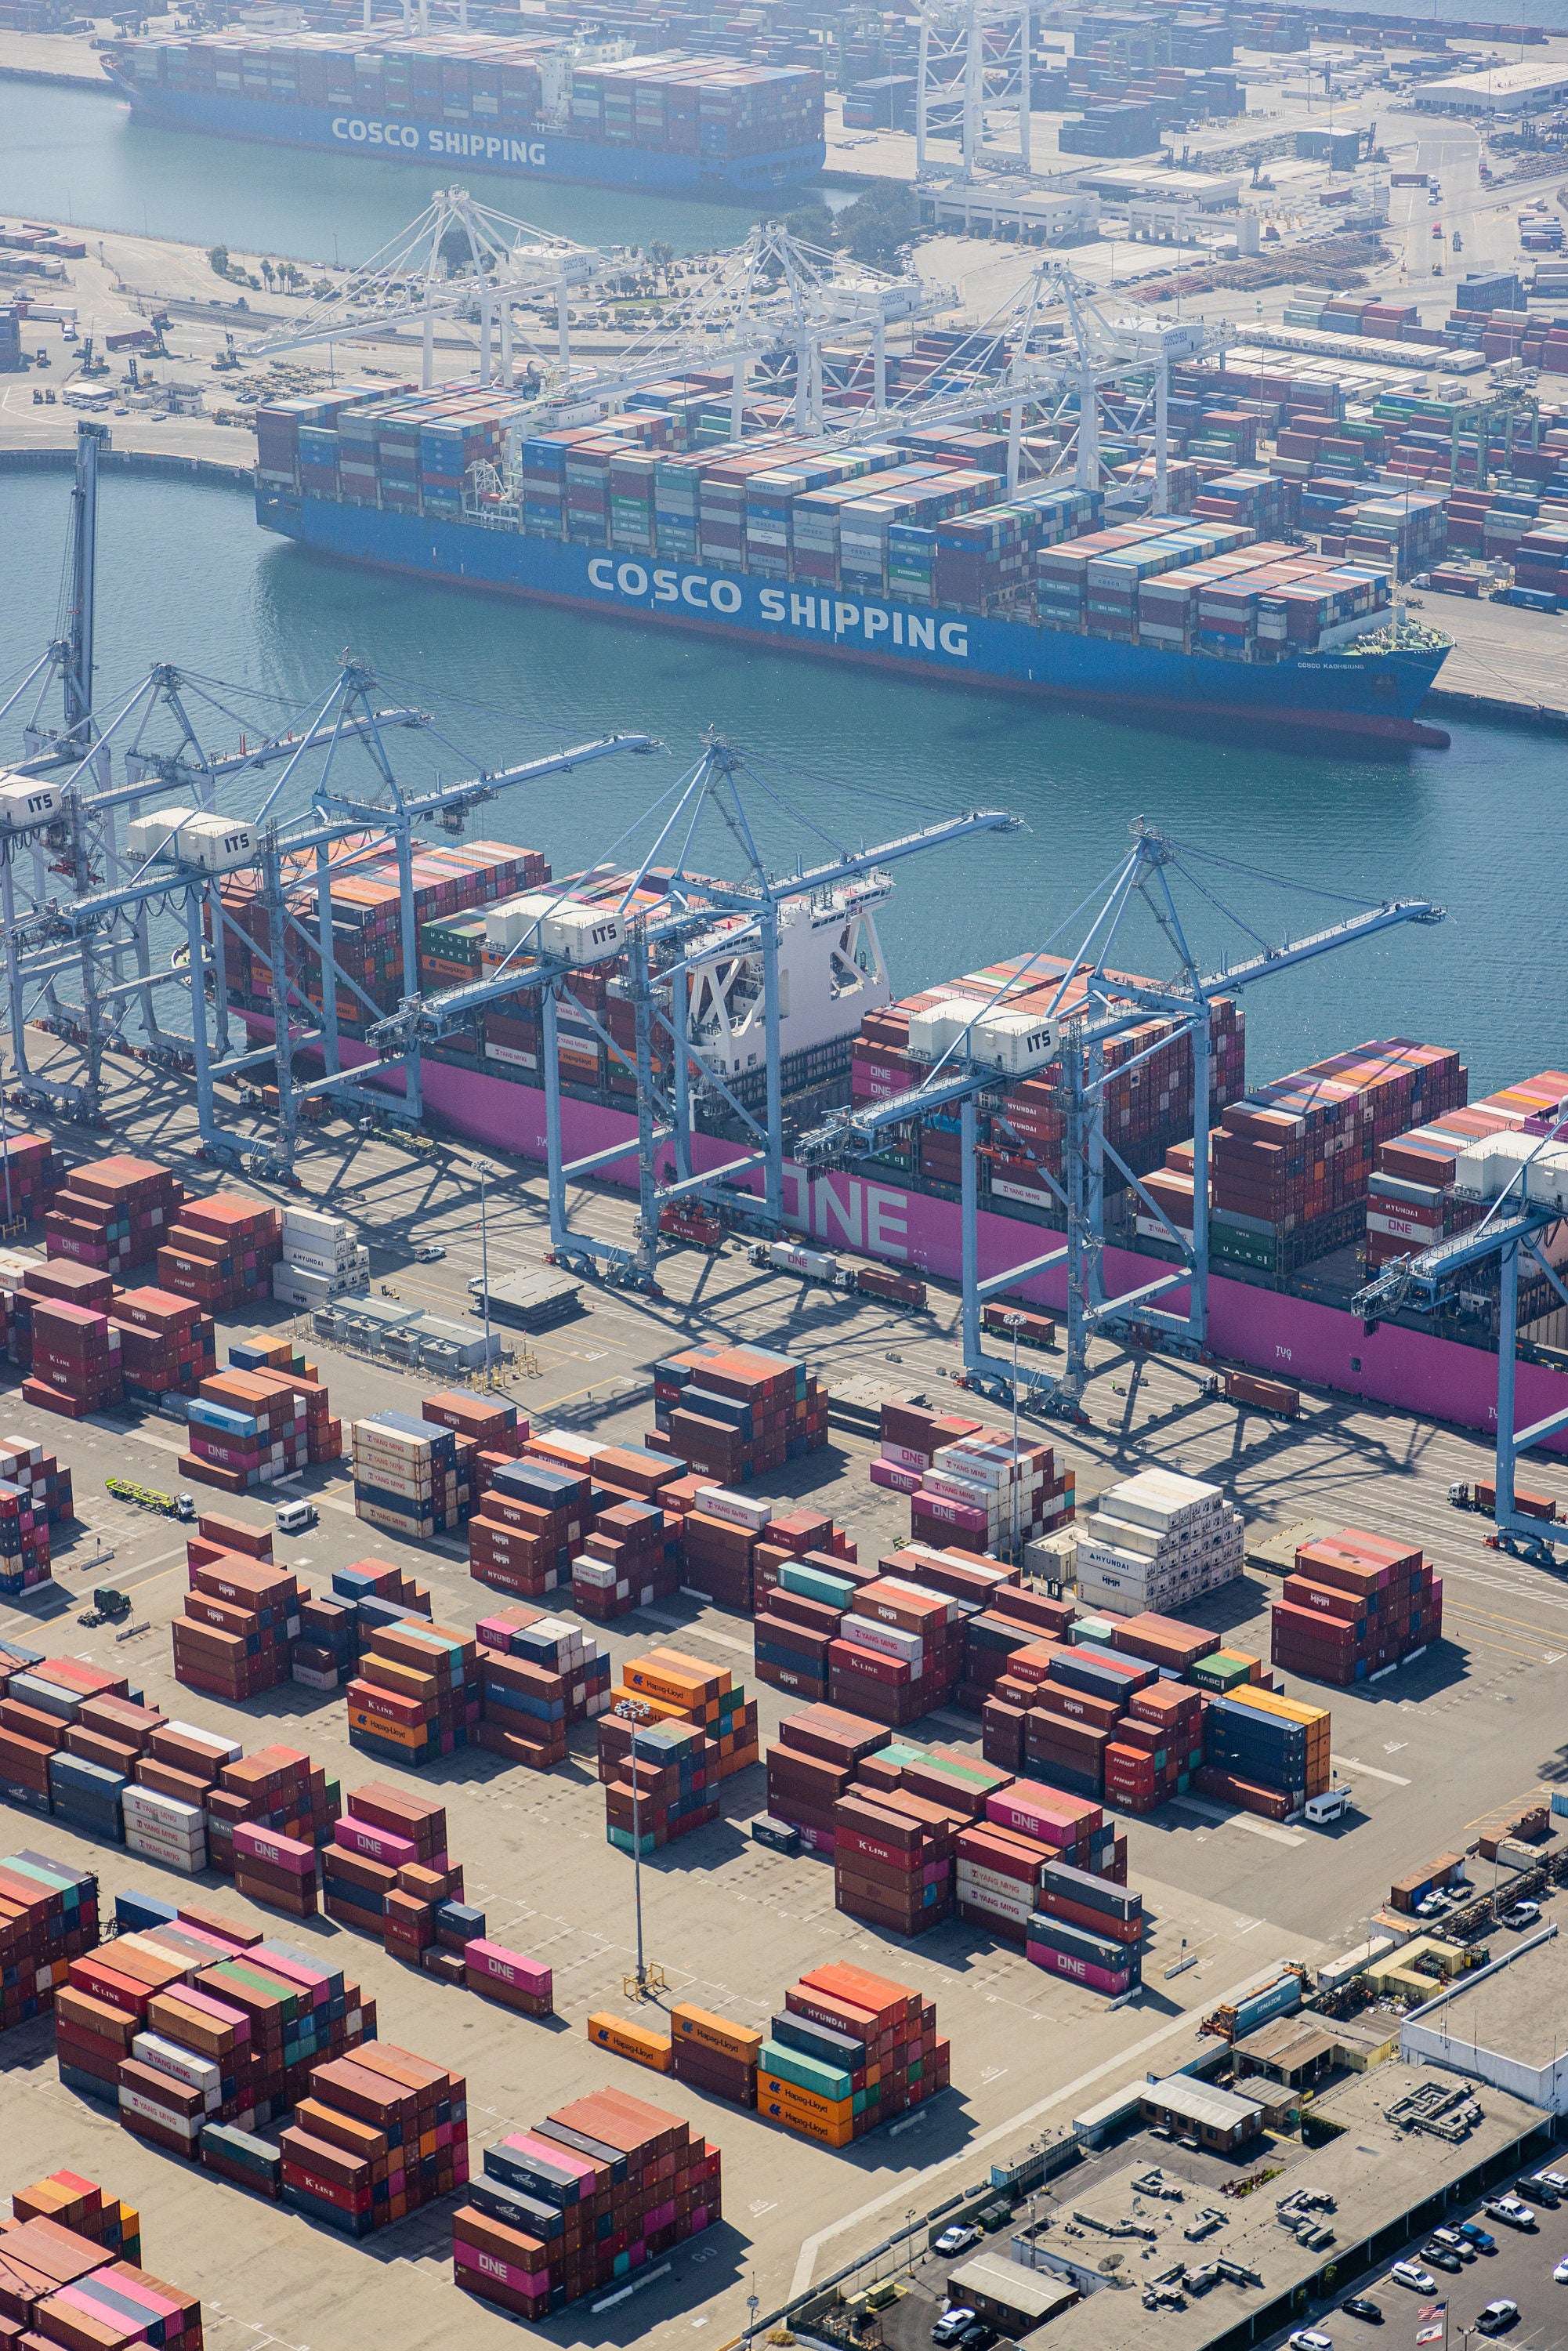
[879,222]
[812,223]
[218,259]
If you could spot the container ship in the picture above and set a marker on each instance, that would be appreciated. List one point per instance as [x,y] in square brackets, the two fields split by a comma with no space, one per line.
[910,556]
[1314,1175]
[539,109]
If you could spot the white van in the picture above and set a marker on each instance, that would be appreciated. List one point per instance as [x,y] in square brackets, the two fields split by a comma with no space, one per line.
[1332,1806]
[293,1518]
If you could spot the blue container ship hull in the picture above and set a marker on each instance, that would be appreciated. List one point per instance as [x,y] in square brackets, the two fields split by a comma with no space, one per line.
[511,154]
[1373,696]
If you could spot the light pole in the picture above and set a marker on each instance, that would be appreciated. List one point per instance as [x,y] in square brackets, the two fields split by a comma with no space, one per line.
[637,1876]
[484,1167]
[909,2226]
[752,2306]
[1013,1322]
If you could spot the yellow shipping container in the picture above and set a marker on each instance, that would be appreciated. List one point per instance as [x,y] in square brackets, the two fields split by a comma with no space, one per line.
[714,2032]
[624,2039]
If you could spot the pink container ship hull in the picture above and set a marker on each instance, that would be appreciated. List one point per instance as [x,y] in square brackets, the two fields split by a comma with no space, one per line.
[1272,1330]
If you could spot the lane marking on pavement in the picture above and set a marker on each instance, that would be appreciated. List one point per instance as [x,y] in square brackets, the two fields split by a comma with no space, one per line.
[1354,1763]
[1218,1814]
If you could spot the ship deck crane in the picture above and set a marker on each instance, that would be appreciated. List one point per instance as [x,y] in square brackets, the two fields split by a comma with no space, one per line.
[1512,1227]
[1108,1005]
[662,949]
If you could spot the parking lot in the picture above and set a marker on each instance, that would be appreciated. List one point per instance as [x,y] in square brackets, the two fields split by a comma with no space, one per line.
[1520,2271]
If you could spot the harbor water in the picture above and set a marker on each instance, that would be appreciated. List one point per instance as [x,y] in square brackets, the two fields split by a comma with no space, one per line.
[78,155]
[186,577]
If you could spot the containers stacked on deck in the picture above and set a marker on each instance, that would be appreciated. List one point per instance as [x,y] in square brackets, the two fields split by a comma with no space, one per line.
[167,1345]
[262,1353]
[1290,1163]
[1268,1754]
[366,909]
[1436,1179]
[849,2050]
[241,1618]
[819,1753]
[1157,1541]
[382,2133]
[1357,1605]
[416,1695]
[734,1413]
[190,2020]
[486,1423]
[1003,1016]
[113,1215]
[320,1258]
[587,2197]
[407,1476]
[222,1252]
[72,2275]
[540,1675]
[49,1917]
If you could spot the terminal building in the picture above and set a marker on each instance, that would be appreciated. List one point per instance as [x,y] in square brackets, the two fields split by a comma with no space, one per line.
[1402,2148]
[1506,2025]
[1501,91]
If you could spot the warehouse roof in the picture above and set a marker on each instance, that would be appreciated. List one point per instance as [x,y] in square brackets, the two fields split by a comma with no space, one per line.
[1033,2293]
[1517,2010]
[1200,2101]
[1505,90]
[1289,2043]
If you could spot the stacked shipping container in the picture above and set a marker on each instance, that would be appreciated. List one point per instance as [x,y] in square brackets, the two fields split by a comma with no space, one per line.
[584,2199]
[1356,1604]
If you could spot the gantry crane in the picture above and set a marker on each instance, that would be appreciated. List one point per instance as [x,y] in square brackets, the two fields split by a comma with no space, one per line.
[1424,1283]
[1089,1007]
[661,946]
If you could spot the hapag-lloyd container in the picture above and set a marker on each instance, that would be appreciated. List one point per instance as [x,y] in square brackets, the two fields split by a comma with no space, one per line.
[1272,1332]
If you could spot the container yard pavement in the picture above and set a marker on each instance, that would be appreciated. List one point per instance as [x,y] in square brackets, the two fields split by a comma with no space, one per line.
[729,1923]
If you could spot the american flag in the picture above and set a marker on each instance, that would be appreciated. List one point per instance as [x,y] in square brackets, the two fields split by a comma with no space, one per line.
[1432,2322]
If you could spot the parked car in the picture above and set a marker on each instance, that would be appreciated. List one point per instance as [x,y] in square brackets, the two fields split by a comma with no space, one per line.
[1311,2338]
[1521,1914]
[1454,2242]
[1497,2316]
[1510,2209]
[957,2239]
[1558,2179]
[1474,2235]
[1412,2274]
[1536,2191]
[953,2324]
[1358,2306]
[1441,2258]
[1559,2275]
[431,1254]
